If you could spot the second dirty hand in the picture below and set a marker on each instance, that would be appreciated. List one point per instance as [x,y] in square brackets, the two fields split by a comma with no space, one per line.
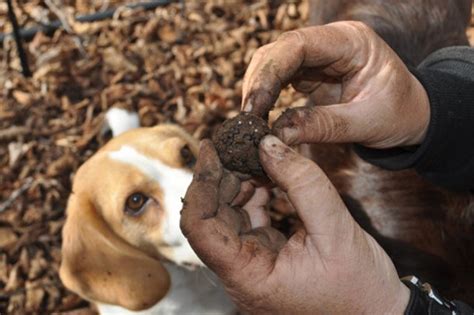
[358,84]
[330,265]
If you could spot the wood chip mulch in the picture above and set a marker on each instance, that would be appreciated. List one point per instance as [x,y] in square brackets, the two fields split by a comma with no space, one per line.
[181,64]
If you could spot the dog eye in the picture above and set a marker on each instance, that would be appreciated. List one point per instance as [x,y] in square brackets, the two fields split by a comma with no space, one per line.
[135,203]
[188,157]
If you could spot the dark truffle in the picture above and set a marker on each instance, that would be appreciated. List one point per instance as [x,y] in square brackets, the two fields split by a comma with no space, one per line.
[237,141]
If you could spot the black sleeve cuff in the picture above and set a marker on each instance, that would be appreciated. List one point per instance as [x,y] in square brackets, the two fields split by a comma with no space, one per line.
[446,157]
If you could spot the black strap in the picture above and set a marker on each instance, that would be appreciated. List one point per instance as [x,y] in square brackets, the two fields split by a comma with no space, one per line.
[425,300]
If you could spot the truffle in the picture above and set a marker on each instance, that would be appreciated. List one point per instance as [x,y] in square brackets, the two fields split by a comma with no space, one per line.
[237,141]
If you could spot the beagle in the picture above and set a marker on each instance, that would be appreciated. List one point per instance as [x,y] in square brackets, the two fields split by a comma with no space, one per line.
[122,246]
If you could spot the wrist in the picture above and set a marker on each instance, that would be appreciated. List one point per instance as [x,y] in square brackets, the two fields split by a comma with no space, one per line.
[401,301]
[394,302]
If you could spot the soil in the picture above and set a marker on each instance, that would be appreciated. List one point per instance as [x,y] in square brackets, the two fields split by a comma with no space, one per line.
[237,143]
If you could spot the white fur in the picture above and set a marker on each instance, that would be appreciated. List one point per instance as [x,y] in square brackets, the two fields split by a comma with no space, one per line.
[174,183]
[120,120]
[191,293]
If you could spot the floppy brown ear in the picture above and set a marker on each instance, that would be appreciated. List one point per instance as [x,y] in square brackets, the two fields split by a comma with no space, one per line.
[101,267]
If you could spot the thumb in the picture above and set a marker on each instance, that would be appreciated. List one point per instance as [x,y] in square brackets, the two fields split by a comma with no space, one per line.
[325,217]
[340,123]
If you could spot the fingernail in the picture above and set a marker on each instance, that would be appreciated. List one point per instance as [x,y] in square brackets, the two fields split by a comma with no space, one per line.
[288,135]
[272,146]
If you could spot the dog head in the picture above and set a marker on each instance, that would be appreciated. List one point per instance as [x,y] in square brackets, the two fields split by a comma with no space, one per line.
[123,217]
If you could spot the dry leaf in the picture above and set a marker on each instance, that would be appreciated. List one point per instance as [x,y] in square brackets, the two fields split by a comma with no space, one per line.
[7,237]
[23,98]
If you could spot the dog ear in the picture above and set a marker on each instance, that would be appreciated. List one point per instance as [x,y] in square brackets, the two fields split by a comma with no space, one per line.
[101,267]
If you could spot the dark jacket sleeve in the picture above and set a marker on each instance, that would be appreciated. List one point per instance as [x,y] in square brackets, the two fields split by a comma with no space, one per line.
[446,156]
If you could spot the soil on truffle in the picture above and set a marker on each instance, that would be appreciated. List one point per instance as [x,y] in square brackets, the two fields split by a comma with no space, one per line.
[237,141]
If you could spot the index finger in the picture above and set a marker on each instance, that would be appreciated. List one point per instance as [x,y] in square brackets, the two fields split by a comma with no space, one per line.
[334,48]
[317,202]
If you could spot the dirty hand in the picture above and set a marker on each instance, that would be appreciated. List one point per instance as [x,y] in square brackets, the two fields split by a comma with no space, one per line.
[330,266]
[372,98]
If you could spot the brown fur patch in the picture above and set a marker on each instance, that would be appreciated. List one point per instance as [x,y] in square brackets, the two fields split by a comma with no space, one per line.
[413,28]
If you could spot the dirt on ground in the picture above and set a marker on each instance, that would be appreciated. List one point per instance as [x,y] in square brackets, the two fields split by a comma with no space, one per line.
[180,63]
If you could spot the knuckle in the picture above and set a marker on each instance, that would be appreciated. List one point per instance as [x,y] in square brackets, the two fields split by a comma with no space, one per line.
[366,34]
[360,26]
[260,52]
[185,226]
[295,37]
[362,31]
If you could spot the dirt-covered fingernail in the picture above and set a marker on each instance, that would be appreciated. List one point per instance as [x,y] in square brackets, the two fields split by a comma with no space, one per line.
[273,147]
[287,135]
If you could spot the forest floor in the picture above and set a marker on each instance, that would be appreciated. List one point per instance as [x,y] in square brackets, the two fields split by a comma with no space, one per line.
[181,64]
